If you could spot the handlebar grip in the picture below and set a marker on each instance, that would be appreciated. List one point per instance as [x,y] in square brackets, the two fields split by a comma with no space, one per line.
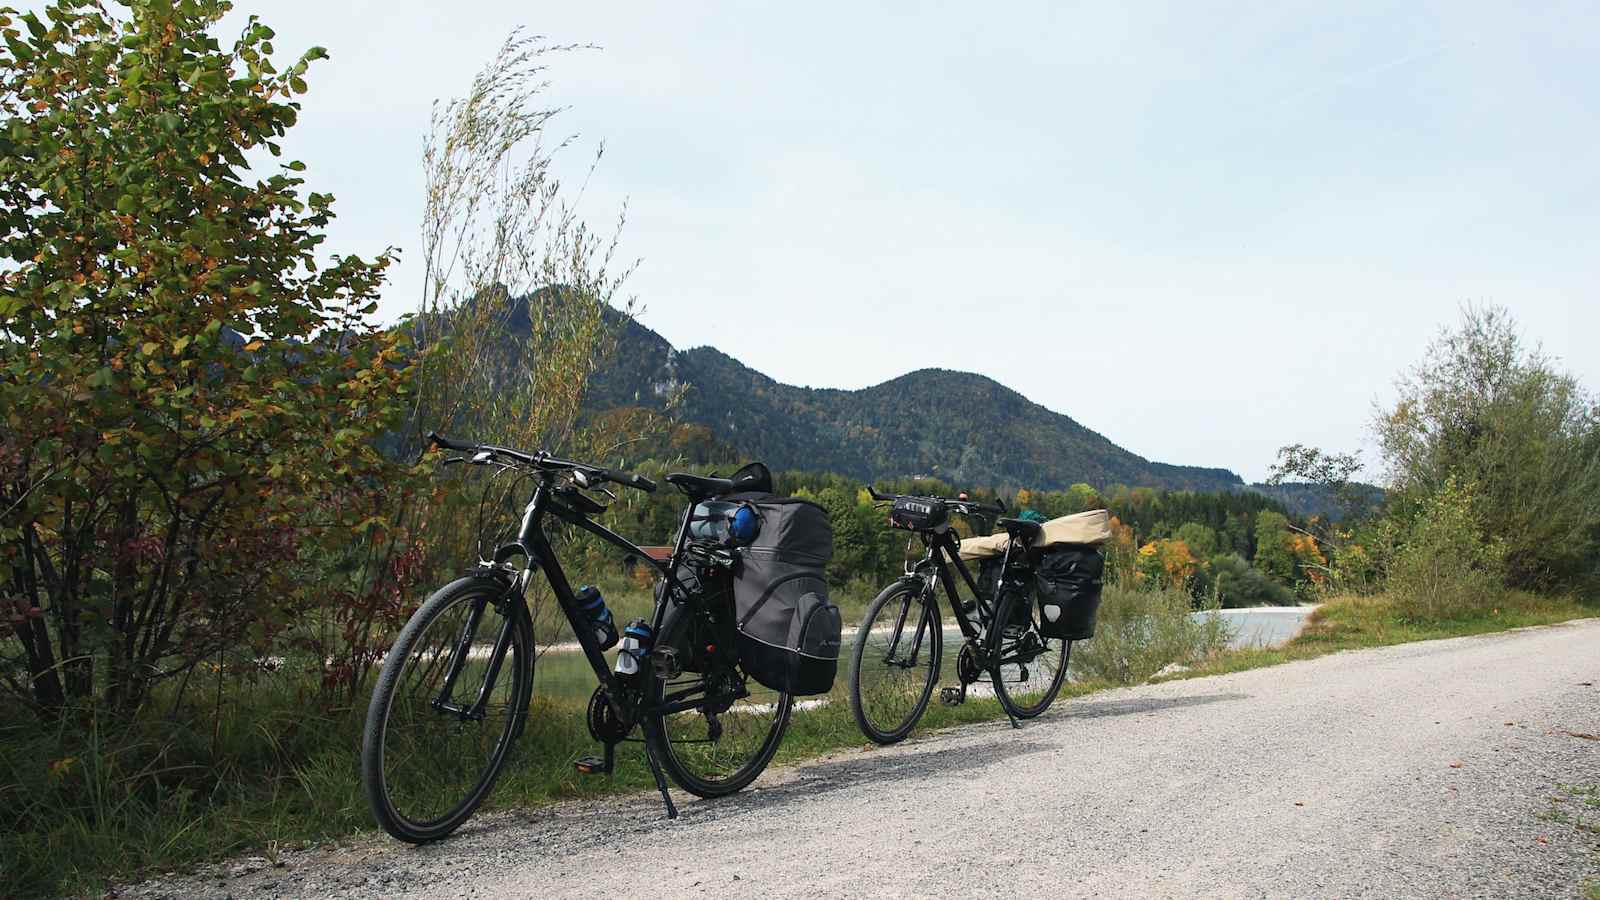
[438,440]
[638,482]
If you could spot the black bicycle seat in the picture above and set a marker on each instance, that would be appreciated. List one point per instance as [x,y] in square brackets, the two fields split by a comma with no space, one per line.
[1021,529]
[699,487]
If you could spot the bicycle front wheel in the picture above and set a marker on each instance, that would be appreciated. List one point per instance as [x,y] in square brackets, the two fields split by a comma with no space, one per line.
[896,661]
[448,703]
[1031,668]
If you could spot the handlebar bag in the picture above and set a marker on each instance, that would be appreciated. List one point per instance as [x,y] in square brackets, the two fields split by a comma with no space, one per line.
[1069,579]
[919,514]
[789,632]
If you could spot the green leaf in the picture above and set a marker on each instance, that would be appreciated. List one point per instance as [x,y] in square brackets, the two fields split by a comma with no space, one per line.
[169,122]
[126,204]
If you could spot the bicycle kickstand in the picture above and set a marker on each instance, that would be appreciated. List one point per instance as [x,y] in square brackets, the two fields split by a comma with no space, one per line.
[661,780]
[1015,725]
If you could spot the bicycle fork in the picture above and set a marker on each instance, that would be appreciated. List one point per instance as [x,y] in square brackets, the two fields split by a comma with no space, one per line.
[459,656]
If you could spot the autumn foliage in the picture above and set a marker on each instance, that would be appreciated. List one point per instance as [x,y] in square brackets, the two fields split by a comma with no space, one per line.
[191,387]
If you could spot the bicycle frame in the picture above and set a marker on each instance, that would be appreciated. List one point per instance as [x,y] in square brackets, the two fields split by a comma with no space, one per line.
[534,547]
[944,553]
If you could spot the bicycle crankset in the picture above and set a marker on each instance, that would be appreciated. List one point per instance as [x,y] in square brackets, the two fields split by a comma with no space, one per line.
[968,669]
[604,724]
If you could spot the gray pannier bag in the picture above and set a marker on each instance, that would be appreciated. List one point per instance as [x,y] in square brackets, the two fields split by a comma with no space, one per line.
[789,634]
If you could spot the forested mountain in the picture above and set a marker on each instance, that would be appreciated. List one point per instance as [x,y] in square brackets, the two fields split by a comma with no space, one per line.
[964,428]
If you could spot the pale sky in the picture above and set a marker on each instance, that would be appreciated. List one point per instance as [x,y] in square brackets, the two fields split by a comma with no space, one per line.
[1201,229]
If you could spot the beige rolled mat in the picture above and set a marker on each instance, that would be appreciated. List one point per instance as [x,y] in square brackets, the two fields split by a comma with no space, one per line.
[1092,527]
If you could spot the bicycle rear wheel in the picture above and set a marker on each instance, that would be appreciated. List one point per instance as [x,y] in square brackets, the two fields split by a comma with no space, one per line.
[720,744]
[1031,668]
[445,711]
[896,661]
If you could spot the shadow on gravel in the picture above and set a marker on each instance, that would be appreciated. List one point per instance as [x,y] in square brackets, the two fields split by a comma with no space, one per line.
[811,781]
[1091,709]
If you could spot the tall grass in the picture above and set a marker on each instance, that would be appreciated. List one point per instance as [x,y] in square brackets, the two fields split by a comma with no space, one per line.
[1142,631]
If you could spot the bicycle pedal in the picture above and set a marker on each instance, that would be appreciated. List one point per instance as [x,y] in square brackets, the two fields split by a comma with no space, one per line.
[952,696]
[591,765]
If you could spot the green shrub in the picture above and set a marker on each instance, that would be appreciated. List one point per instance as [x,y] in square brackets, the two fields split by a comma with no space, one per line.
[1140,632]
[1234,582]
[1445,567]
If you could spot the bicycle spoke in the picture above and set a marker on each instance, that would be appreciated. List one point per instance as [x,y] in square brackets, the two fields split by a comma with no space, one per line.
[895,664]
[434,755]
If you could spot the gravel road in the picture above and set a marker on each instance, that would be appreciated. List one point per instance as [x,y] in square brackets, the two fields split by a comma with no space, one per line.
[1423,770]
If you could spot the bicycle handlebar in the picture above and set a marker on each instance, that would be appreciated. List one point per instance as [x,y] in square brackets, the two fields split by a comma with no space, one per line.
[964,507]
[545,462]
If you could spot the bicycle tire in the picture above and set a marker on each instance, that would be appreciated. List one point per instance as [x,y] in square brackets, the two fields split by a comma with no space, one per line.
[382,771]
[1013,703]
[913,593]
[674,755]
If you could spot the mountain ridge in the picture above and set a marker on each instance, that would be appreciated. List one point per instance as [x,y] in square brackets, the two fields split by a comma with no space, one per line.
[963,427]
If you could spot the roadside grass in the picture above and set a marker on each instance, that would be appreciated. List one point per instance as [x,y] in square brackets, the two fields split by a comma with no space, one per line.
[1357,622]
[267,773]
[1578,806]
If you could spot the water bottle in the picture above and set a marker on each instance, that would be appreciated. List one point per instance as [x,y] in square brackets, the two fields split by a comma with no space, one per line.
[635,647]
[595,609]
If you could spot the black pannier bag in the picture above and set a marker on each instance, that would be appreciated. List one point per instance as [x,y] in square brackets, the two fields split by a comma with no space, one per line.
[789,633]
[919,514]
[1069,578]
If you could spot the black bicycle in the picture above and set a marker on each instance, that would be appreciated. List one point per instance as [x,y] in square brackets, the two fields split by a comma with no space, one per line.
[453,695]
[899,647]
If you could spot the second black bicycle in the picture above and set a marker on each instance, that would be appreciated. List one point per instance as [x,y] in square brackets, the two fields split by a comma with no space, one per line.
[899,648]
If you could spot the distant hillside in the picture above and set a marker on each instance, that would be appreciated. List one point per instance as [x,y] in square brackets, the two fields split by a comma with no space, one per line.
[964,428]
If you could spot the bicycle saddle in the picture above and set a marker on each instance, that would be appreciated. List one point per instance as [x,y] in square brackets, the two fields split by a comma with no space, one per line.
[699,487]
[1019,529]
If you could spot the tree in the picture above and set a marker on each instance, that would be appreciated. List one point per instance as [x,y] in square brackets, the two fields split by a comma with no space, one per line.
[191,389]
[1333,472]
[1236,583]
[1168,563]
[1274,556]
[1489,412]
[1199,538]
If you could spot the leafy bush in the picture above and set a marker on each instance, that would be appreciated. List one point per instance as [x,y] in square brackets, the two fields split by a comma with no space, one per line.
[1140,632]
[1234,582]
[1446,567]
[192,388]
